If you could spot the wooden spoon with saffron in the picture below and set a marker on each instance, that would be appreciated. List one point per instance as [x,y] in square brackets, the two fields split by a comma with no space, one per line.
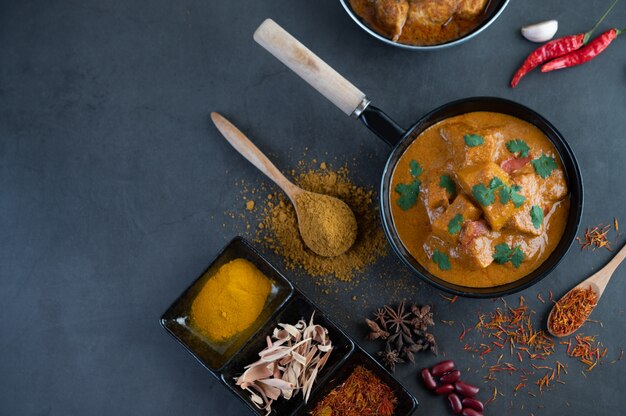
[327,224]
[573,309]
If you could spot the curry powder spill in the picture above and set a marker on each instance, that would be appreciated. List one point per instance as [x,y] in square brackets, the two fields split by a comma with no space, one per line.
[327,225]
[279,228]
[230,301]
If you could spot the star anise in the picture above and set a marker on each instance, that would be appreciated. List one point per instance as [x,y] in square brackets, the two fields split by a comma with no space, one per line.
[381,316]
[390,357]
[399,319]
[423,317]
[377,331]
[404,332]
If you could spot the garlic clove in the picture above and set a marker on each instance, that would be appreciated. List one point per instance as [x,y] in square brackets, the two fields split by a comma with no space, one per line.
[540,32]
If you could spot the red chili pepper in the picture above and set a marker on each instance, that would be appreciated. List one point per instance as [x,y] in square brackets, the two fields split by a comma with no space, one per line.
[550,50]
[556,48]
[586,54]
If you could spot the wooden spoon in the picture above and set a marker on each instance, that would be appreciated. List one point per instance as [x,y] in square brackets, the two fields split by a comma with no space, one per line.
[327,225]
[597,282]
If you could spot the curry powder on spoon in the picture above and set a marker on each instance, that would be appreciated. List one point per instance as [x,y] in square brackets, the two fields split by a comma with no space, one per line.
[230,301]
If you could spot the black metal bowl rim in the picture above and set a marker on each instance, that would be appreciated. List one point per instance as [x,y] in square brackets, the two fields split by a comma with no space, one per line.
[484,25]
[470,293]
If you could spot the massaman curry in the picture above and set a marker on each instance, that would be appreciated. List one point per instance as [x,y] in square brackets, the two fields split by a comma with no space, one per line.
[421,22]
[480,199]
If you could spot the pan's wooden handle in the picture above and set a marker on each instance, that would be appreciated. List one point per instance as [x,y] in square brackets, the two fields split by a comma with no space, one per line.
[310,67]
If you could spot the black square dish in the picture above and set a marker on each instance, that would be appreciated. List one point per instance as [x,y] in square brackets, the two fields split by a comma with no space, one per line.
[406,402]
[298,307]
[215,355]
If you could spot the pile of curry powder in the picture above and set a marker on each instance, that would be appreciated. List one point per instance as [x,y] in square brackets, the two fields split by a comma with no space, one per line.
[278,226]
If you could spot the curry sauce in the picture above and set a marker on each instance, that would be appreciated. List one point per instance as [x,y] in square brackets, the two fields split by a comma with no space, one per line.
[480,199]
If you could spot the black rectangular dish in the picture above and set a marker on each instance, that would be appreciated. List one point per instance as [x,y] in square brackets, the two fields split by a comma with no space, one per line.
[285,304]
[210,355]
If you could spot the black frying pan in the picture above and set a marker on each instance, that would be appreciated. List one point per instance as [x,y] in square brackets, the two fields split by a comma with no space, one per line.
[354,102]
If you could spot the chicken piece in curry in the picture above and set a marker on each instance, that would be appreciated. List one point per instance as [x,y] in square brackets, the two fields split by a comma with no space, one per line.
[480,199]
[421,22]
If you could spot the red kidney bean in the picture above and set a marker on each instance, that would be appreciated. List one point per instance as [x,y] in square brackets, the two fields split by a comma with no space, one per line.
[445,389]
[442,368]
[466,390]
[428,379]
[450,377]
[473,404]
[470,412]
[455,403]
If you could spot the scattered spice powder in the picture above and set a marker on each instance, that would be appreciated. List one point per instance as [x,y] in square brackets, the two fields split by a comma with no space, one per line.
[363,393]
[279,227]
[571,311]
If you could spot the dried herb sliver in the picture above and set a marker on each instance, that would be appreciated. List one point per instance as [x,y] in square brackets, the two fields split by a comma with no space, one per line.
[518,147]
[408,194]
[363,393]
[288,365]
[536,215]
[504,254]
[572,310]
[544,165]
[442,260]
[473,140]
[446,182]
[454,226]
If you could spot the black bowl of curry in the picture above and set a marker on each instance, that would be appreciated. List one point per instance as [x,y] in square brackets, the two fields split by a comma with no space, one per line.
[424,24]
[482,198]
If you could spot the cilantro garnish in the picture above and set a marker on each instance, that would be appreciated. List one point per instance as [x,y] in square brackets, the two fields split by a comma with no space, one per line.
[518,147]
[473,140]
[495,183]
[511,193]
[454,226]
[442,260]
[536,215]
[445,181]
[484,196]
[487,196]
[544,165]
[416,169]
[408,194]
[505,254]
[410,191]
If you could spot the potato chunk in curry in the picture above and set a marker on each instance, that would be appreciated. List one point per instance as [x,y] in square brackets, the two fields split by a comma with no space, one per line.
[461,154]
[448,225]
[482,176]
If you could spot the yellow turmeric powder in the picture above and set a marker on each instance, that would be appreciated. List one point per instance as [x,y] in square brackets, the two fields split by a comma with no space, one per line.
[230,301]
